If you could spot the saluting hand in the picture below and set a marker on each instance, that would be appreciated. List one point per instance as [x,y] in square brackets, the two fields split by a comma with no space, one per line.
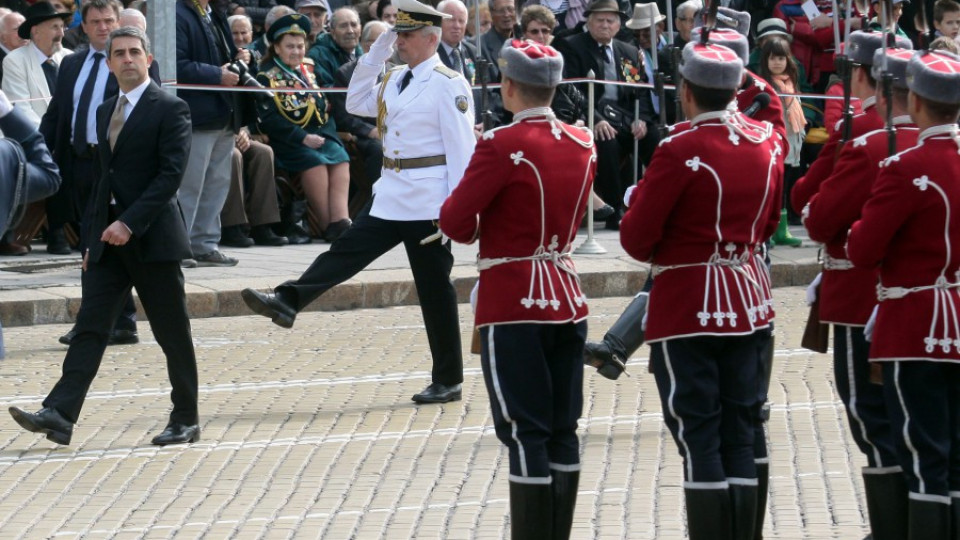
[117,234]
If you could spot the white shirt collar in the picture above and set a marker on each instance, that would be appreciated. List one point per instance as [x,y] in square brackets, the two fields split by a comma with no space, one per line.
[869,102]
[91,51]
[133,96]
[42,56]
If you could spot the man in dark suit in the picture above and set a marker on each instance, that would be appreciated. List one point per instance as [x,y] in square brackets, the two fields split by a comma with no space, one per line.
[611,60]
[69,127]
[9,40]
[137,238]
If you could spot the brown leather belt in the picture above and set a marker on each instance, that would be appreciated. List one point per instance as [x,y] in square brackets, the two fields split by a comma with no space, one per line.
[413,163]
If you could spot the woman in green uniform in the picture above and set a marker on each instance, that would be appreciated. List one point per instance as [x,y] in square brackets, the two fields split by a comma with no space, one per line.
[302,133]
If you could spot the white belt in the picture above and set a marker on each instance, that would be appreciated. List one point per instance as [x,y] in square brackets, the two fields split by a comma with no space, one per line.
[895,293]
[557,257]
[831,263]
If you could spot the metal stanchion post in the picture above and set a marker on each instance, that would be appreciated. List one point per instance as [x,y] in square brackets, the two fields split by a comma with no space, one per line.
[590,246]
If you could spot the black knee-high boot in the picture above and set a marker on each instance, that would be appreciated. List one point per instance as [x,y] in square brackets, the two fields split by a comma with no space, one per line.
[620,342]
[564,488]
[708,514]
[887,504]
[531,511]
[743,511]
[763,488]
[929,520]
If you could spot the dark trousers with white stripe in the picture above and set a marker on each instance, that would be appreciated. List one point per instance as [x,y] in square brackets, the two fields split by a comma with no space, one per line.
[708,391]
[863,400]
[534,376]
[923,400]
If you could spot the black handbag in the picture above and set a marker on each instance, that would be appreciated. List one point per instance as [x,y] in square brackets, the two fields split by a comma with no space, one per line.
[618,117]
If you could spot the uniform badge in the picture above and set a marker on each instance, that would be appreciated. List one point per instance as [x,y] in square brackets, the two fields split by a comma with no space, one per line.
[462,103]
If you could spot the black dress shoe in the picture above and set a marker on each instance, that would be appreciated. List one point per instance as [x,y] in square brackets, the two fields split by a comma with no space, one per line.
[439,393]
[117,337]
[234,236]
[123,337]
[57,242]
[270,305]
[47,421]
[602,213]
[336,229]
[263,235]
[296,234]
[177,433]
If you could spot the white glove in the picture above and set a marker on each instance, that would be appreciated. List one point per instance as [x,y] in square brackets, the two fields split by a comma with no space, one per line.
[473,296]
[643,321]
[627,195]
[812,289]
[381,50]
[5,106]
[871,322]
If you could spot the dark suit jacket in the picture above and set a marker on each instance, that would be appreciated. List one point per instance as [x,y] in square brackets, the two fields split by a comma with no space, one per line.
[56,126]
[198,62]
[350,123]
[3,54]
[581,53]
[143,173]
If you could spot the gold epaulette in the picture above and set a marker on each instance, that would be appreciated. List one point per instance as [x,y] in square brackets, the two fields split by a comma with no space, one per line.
[444,70]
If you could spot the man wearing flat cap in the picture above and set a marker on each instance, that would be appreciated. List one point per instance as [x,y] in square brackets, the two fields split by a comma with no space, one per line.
[909,231]
[30,72]
[425,113]
[530,309]
[848,297]
[706,204]
[610,59]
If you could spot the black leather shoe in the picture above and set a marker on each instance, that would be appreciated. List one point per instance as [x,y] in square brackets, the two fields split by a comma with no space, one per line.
[47,421]
[270,305]
[176,433]
[599,355]
[118,337]
[123,337]
[602,213]
[234,236]
[439,393]
[263,235]
[57,242]
[297,235]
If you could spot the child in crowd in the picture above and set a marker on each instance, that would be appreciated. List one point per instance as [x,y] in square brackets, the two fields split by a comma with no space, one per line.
[778,66]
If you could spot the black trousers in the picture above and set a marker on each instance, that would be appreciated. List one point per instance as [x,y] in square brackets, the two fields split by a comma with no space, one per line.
[614,174]
[864,401]
[534,377]
[708,391]
[83,172]
[923,400]
[107,283]
[364,242]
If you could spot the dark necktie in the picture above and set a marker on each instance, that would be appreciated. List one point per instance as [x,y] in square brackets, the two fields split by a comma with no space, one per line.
[604,53]
[405,81]
[117,120]
[456,60]
[50,72]
[83,109]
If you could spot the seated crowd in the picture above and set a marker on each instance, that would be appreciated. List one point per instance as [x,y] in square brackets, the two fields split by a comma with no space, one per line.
[289,167]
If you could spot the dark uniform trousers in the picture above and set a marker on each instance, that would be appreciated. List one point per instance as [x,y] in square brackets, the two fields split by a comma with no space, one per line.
[708,391]
[534,377]
[923,400]
[613,174]
[107,282]
[366,240]
[863,400]
[83,173]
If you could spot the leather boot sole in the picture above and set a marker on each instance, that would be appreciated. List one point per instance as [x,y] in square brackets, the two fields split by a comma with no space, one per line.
[262,308]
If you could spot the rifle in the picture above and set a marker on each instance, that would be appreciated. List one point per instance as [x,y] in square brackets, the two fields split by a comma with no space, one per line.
[709,15]
[845,70]
[886,80]
[921,20]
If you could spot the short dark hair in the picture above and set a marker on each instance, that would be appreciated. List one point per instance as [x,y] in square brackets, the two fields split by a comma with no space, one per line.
[534,94]
[943,112]
[710,99]
[382,5]
[115,5]
[128,31]
[942,7]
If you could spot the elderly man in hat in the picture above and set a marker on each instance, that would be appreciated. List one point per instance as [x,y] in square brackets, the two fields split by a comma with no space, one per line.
[424,111]
[530,309]
[318,11]
[910,232]
[706,204]
[30,72]
[610,59]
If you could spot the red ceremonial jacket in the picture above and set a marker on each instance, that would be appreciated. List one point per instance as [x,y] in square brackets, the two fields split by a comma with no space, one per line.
[863,123]
[523,195]
[709,198]
[911,229]
[847,294]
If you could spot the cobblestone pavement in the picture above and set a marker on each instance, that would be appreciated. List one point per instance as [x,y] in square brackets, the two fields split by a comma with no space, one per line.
[311,433]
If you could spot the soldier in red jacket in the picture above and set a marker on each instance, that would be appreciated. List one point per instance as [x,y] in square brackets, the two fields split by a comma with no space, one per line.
[709,199]
[848,296]
[910,231]
[530,309]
